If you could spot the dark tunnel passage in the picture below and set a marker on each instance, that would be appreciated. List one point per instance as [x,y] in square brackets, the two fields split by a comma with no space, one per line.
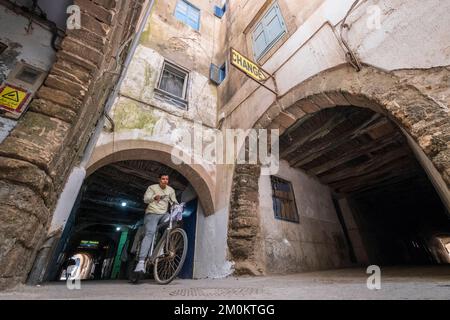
[100,239]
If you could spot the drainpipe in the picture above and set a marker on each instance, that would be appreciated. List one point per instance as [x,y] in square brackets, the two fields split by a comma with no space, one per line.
[76,178]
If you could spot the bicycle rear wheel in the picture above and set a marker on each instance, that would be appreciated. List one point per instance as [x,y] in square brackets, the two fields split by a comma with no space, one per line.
[169,263]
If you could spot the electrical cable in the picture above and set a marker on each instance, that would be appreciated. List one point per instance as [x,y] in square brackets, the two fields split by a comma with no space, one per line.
[350,55]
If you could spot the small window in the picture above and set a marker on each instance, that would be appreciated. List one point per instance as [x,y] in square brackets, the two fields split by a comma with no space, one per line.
[268,31]
[173,84]
[188,14]
[283,200]
[219,12]
[218,74]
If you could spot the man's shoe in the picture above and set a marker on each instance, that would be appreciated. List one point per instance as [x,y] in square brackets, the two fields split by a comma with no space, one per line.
[140,267]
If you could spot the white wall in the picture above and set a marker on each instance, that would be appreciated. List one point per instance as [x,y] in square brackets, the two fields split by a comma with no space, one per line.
[211,245]
[412,33]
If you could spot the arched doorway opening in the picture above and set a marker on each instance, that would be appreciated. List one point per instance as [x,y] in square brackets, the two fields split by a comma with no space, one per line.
[354,184]
[108,217]
[79,266]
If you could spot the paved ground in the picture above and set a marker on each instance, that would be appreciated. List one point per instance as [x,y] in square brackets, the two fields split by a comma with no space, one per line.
[397,283]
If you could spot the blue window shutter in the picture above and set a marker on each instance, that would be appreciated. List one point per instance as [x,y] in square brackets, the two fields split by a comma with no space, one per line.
[188,14]
[217,74]
[259,40]
[223,72]
[181,10]
[214,74]
[218,12]
[273,24]
[270,28]
[193,18]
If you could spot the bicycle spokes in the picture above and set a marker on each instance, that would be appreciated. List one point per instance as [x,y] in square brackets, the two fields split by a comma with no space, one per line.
[170,262]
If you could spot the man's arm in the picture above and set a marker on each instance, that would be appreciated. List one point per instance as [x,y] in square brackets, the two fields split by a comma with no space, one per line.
[149,195]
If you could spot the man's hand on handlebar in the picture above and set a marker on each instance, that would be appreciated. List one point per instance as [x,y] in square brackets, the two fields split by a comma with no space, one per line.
[158,197]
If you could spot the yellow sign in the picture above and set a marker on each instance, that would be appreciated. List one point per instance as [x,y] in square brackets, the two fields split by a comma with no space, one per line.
[248,67]
[12,98]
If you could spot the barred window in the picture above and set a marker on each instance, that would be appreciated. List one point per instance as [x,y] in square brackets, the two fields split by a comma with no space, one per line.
[172,84]
[283,200]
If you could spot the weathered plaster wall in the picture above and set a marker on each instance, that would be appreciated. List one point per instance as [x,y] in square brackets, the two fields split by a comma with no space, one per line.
[143,76]
[317,242]
[179,42]
[165,37]
[140,122]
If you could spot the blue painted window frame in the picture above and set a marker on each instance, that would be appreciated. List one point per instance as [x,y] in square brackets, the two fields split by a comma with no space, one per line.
[219,12]
[191,16]
[222,71]
[265,34]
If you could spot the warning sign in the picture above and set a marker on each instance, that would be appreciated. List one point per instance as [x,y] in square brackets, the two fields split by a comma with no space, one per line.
[13,98]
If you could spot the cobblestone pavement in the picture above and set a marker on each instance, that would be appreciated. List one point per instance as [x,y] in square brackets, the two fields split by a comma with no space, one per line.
[397,283]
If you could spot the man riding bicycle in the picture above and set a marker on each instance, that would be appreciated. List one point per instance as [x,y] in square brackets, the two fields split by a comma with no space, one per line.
[158,197]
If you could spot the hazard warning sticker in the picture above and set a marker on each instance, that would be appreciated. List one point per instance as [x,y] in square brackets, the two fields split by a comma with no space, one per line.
[13,98]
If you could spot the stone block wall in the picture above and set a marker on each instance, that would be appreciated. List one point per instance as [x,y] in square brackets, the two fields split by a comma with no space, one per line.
[244,230]
[38,155]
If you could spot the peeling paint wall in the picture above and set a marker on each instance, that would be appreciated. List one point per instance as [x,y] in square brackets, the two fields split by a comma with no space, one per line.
[143,76]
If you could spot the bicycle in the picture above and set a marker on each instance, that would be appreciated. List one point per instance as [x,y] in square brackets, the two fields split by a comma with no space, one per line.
[168,255]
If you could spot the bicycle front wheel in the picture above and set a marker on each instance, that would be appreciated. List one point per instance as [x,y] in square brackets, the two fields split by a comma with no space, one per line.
[169,263]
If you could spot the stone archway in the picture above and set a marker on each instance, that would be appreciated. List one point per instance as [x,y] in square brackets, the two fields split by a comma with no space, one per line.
[423,119]
[123,150]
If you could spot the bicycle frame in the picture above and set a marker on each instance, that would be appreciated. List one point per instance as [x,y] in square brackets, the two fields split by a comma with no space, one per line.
[164,253]
[155,250]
